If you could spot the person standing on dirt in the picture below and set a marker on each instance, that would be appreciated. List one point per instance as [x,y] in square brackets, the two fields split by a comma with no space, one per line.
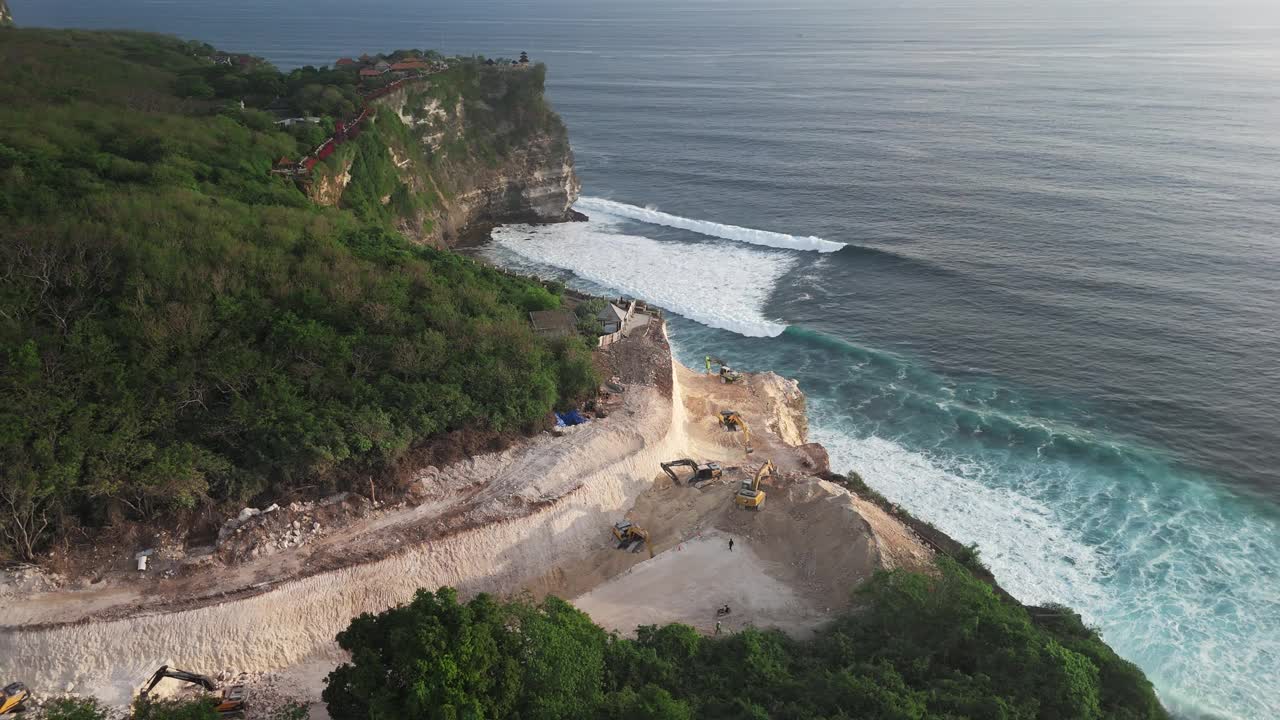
[717,627]
[730,544]
[708,364]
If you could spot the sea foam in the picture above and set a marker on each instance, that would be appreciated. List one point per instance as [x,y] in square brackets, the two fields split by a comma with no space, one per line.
[722,287]
[1175,580]
[766,238]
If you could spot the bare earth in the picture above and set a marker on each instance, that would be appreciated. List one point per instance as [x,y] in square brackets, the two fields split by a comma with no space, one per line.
[535,517]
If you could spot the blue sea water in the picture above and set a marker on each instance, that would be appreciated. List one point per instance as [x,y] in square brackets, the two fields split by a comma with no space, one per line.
[1022,258]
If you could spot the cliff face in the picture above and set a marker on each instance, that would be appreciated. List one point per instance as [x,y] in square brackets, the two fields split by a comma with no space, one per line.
[469,148]
[6,17]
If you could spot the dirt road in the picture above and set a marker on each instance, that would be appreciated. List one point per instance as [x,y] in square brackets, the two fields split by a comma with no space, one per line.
[534,517]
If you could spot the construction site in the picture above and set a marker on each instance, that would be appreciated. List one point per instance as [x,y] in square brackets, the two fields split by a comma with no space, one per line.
[690,497]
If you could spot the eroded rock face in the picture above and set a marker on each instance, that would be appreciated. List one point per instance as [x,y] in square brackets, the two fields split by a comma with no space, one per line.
[326,189]
[537,183]
[786,407]
[6,17]
[471,186]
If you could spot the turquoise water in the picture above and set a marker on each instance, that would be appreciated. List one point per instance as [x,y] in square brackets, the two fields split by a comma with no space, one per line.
[1021,256]
[1178,573]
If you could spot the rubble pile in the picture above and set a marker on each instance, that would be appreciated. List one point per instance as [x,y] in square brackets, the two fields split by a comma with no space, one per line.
[259,532]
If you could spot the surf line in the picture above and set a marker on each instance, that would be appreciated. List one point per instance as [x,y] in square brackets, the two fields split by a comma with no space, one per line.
[766,238]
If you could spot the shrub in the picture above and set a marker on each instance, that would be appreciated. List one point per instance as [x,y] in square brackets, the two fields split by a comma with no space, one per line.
[74,709]
[200,708]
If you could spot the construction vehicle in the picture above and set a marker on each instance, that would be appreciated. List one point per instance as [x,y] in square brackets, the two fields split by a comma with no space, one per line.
[733,422]
[750,496]
[228,703]
[12,698]
[631,537]
[702,472]
[727,374]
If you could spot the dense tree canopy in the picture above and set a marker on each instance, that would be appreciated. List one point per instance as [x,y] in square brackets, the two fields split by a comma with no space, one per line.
[916,647]
[177,325]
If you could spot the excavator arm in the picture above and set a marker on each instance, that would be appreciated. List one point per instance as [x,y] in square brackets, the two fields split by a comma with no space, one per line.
[750,495]
[230,703]
[766,470]
[189,677]
[668,468]
[734,421]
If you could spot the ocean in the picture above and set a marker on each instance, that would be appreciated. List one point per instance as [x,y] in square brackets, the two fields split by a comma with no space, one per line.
[1022,258]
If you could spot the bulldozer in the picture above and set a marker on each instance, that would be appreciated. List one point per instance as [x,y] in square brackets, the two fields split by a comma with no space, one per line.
[750,496]
[702,472]
[631,537]
[733,422]
[12,699]
[228,703]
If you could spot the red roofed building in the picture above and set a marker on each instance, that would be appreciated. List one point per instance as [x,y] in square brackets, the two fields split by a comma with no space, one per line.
[345,62]
[409,66]
[370,73]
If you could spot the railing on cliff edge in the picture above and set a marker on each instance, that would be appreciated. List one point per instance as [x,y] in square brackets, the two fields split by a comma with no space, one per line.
[344,131]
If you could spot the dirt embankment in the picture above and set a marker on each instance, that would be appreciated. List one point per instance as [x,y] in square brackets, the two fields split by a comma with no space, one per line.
[535,517]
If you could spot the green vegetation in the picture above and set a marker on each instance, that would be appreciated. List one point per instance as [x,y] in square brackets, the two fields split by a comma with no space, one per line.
[74,709]
[916,647]
[185,709]
[179,327]
[941,646]
[503,109]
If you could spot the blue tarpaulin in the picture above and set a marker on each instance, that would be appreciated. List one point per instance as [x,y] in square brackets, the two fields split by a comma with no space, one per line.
[572,417]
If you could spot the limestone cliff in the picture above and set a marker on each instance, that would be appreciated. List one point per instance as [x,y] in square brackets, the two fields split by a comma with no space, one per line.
[457,152]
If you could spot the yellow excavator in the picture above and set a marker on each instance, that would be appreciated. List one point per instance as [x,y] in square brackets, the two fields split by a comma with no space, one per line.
[702,472]
[750,496]
[631,537]
[12,698]
[733,422]
[228,703]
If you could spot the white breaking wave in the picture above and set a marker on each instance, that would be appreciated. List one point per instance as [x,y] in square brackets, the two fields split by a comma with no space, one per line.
[713,229]
[722,287]
[1186,597]
[1035,558]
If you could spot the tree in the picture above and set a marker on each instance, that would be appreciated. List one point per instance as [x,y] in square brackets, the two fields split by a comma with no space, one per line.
[648,703]
[432,658]
[194,86]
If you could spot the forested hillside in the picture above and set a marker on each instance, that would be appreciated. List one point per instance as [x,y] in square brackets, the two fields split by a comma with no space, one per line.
[180,327]
[916,647]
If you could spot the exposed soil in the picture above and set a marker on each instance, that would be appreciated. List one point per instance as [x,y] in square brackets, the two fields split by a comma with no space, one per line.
[267,598]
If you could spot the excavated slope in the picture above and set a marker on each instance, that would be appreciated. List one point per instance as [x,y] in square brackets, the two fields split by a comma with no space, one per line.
[573,497]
